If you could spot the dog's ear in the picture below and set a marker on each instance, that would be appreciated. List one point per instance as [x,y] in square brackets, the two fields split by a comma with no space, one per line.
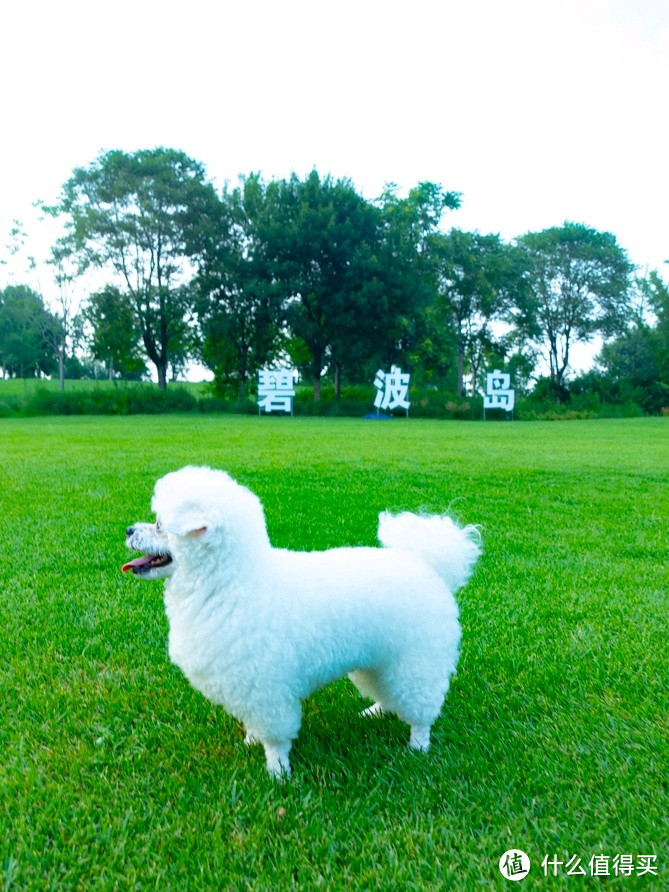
[186,524]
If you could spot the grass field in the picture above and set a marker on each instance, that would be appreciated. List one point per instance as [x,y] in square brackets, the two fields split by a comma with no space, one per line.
[115,774]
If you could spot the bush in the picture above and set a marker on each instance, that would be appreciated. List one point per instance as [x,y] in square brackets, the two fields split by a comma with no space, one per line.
[431,403]
[144,400]
[244,406]
[103,398]
[587,397]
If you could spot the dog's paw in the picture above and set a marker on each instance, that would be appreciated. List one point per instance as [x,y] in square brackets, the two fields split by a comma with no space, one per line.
[372,712]
[420,738]
[276,756]
[279,772]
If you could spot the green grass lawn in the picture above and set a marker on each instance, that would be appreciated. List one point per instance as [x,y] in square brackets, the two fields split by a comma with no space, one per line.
[115,774]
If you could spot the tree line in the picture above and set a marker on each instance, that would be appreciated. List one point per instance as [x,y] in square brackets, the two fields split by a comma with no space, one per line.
[309,272]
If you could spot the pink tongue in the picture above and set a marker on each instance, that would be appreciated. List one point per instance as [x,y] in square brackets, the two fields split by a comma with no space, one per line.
[138,562]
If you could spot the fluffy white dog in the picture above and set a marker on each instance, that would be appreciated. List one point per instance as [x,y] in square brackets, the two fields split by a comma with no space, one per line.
[257,629]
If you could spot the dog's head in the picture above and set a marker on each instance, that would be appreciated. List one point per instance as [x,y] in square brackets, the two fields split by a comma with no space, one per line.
[198,511]
[151,540]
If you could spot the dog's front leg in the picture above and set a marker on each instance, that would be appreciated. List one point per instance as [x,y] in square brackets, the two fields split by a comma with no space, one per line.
[276,754]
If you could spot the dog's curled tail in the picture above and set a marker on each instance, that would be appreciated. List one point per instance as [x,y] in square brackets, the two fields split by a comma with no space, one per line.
[451,549]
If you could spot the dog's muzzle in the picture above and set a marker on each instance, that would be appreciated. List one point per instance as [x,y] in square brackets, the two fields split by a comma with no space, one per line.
[156,558]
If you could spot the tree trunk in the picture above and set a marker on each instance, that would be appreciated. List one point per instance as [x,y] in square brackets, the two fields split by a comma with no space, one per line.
[337,380]
[475,363]
[461,371]
[317,367]
[161,369]
[242,367]
[61,367]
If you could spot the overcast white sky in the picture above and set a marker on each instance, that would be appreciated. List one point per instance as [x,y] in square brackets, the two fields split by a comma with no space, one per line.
[538,111]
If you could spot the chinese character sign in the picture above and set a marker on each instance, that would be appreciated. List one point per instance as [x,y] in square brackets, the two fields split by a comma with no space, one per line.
[498,391]
[276,390]
[392,389]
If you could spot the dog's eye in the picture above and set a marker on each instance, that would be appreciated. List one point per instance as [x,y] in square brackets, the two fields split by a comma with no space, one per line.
[159,527]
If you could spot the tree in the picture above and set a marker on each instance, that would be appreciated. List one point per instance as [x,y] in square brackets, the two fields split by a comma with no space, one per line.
[408,274]
[240,307]
[635,366]
[115,337]
[142,217]
[65,333]
[26,328]
[578,286]
[322,241]
[477,276]
[61,331]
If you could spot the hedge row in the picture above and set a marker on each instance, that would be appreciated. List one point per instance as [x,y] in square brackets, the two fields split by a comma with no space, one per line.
[355,402]
[99,401]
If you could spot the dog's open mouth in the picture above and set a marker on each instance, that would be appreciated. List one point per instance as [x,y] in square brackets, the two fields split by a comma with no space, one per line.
[148,562]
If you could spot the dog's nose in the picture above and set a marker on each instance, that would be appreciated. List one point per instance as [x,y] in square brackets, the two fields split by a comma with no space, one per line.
[129,532]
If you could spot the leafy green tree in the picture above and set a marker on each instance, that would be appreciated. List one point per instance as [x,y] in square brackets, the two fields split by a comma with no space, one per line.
[634,367]
[322,242]
[477,277]
[26,330]
[578,286]
[241,303]
[142,217]
[115,336]
[64,336]
[407,274]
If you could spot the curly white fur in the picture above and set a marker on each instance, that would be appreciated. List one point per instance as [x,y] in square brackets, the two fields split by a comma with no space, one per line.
[257,629]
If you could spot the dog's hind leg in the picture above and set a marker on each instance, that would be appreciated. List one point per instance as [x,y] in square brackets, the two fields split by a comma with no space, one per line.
[276,755]
[420,738]
[365,682]
[415,692]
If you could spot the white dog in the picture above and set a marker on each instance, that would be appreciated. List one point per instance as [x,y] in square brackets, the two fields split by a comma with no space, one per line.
[257,629]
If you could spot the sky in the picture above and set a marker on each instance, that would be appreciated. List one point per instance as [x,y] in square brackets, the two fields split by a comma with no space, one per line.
[537,112]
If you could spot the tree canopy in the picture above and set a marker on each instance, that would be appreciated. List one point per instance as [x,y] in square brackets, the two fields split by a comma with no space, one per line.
[240,302]
[323,239]
[478,278]
[27,332]
[578,286]
[309,272]
[142,218]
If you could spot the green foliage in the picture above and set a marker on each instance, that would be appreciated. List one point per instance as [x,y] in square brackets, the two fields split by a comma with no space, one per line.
[111,399]
[634,368]
[240,301]
[142,217]
[27,332]
[115,773]
[578,286]
[409,224]
[309,271]
[83,397]
[477,280]
[324,239]
[115,334]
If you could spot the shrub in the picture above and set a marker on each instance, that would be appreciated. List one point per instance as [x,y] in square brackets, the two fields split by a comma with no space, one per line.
[108,401]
